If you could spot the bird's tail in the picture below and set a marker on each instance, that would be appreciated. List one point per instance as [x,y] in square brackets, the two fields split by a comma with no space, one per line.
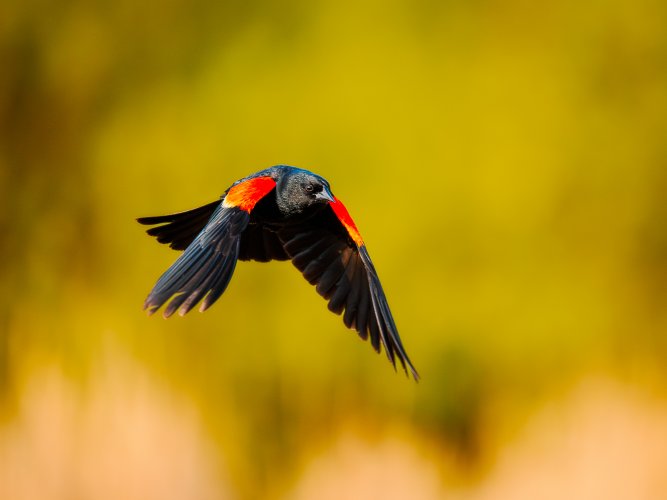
[180,229]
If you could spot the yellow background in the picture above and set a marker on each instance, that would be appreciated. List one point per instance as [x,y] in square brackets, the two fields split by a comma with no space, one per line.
[506,163]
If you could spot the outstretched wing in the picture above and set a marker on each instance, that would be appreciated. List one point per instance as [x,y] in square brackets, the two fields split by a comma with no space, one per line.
[331,254]
[179,230]
[204,270]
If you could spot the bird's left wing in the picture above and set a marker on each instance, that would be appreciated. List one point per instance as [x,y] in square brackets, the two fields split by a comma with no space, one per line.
[204,270]
[331,254]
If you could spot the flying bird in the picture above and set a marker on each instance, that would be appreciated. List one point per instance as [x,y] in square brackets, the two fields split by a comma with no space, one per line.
[280,213]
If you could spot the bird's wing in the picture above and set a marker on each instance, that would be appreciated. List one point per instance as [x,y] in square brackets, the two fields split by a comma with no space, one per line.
[179,230]
[204,270]
[331,254]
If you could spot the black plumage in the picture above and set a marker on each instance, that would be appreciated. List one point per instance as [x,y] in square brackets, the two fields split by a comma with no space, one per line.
[281,213]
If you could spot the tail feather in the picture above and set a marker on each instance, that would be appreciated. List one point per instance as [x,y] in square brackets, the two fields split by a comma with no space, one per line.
[180,229]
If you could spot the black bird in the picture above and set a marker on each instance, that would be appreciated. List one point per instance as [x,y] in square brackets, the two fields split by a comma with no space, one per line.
[281,213]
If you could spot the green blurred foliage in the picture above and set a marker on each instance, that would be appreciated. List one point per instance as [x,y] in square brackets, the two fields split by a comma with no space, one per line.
[506,163]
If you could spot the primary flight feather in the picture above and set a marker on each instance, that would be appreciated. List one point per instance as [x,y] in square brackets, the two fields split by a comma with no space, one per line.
[281,213]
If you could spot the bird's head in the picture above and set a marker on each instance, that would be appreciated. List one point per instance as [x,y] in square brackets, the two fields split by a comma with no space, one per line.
[299,189]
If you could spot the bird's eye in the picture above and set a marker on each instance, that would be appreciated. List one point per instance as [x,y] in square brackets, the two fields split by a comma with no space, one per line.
[310,188]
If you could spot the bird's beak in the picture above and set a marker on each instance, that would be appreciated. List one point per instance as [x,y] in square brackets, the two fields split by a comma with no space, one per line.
[326,195]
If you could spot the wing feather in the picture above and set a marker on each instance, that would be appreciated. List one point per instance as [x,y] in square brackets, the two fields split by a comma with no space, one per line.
[331,255]
[212,237]
[352,300]
[204,269]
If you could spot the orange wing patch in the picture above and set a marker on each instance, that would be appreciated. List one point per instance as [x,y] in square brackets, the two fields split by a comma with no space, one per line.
[246,194]
[344,217]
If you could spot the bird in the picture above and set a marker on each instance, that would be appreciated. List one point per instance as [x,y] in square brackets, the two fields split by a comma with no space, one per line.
[279,213]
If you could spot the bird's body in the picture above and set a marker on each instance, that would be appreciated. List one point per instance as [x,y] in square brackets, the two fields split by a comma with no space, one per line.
[280,213]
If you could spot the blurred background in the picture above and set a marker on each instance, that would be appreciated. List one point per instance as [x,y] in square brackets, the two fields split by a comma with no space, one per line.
[506,163]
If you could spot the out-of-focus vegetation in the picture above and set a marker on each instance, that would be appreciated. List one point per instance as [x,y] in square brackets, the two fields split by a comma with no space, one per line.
[506,163]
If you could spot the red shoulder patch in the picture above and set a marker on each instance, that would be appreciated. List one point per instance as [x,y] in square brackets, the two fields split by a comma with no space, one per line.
[246,194]
[345,219]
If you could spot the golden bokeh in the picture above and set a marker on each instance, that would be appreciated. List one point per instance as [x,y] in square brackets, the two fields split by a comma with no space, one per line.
[506,163]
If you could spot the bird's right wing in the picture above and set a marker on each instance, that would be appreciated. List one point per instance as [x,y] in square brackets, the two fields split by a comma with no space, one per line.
[204,270]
